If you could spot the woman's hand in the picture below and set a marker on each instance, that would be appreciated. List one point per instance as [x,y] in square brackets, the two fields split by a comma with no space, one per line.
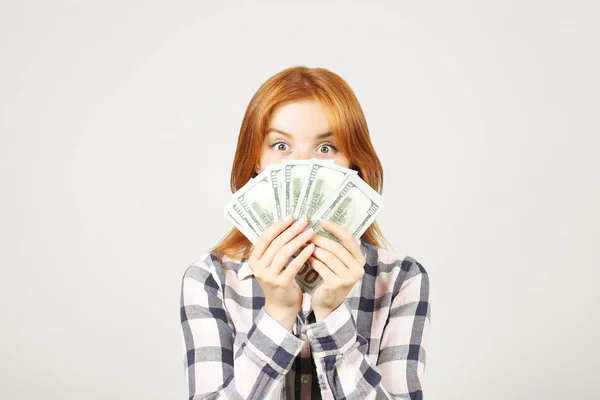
[273,249]
[340,265]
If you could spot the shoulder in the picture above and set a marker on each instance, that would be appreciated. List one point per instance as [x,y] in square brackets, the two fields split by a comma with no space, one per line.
[210,265]
[201,270]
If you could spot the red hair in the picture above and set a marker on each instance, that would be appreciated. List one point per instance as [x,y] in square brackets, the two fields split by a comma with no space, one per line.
[346,121]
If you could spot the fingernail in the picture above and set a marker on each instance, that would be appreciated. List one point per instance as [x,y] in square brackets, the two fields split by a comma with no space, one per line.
[302,221]
[287,218]
[308,232]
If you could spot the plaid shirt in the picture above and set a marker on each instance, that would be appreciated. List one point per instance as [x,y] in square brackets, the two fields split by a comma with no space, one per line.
[371,347]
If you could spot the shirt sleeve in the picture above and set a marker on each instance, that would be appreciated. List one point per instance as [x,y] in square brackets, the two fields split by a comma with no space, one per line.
[344,369]
[256,371]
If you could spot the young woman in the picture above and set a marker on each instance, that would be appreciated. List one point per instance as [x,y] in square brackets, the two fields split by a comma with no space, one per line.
[249,332]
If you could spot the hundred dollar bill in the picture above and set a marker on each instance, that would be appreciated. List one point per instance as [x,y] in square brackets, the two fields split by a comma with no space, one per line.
[294,172]
[275,173]
[308,279]
[241,221]
[322,180]
[355,205]
[256,199]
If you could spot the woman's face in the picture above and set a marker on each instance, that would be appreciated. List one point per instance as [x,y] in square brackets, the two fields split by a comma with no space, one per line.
[299,131]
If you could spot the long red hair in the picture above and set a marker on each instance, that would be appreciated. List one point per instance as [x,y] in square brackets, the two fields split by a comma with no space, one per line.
[346,121]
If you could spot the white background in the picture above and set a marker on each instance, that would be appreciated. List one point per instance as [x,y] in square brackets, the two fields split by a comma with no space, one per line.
[118,124]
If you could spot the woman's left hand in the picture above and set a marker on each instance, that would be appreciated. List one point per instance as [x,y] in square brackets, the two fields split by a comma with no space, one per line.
[340,265]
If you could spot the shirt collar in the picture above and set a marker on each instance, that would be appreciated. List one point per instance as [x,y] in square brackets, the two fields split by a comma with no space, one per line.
[244,271]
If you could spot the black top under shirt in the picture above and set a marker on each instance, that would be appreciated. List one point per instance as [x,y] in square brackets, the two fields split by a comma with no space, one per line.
[299,369]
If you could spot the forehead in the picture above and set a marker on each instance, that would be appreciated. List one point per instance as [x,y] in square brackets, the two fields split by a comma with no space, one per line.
[299,119]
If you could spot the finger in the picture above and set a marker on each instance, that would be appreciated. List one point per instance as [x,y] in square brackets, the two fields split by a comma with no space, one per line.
[346,238]
[335,248]
[268,235]
[286,252]
[283,239]
[331,261]
[292,269]
[323,270]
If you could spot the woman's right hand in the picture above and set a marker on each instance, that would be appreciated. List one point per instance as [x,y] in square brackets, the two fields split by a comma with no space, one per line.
[273,249]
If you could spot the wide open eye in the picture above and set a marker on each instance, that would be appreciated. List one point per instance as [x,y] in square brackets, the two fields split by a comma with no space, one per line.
[280,145]
[328,147]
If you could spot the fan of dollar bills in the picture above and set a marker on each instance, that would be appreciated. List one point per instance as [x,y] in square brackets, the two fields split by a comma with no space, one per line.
[315,189]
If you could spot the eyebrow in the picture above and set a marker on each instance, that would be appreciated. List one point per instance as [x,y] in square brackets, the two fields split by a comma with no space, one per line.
[321,136]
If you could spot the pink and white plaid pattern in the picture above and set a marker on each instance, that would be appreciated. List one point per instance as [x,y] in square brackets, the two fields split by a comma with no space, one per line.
[371,347]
